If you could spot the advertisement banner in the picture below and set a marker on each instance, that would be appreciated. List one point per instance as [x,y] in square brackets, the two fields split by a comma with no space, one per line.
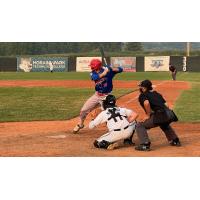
[128,63]
[83,62]
[42,64]
[157,63]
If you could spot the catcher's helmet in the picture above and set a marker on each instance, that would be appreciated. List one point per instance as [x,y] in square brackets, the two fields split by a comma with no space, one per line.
[147,84]
[95,64]
[109,102]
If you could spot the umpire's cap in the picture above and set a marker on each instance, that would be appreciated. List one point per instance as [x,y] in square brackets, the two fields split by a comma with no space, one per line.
[146,83]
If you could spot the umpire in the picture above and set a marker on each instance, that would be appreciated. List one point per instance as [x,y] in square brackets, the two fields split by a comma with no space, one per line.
[154,106]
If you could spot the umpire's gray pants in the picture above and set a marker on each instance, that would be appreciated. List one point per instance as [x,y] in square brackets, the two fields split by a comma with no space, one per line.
[141,130]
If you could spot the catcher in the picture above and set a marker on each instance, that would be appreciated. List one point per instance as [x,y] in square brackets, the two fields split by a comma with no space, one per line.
[102,77]
[120,122]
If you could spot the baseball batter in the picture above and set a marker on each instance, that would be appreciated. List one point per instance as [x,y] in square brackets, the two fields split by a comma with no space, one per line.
[120,122]
[102,77]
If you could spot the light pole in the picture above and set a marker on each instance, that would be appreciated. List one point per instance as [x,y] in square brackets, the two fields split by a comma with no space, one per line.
[124,44]
[188,49]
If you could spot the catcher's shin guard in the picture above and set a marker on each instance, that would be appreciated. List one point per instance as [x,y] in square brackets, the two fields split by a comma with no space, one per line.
[129,141]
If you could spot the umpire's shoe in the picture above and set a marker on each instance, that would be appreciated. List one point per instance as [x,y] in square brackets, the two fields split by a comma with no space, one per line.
[175,142]
[143,147]
[77,128]
[129,141]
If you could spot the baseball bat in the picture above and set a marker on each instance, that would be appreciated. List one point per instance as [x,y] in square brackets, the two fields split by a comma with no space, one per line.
[103,55]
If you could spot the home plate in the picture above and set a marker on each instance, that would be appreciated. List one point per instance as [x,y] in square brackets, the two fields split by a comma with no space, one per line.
[57,136]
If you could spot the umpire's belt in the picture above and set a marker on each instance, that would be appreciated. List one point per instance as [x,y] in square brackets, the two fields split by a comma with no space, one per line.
[119,129]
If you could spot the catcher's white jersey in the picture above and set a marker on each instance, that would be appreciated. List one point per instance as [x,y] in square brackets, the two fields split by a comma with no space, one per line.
[117,123]
[112,124]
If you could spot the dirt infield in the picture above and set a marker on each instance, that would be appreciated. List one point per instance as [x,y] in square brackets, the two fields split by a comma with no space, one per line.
[65,83]
[54,138]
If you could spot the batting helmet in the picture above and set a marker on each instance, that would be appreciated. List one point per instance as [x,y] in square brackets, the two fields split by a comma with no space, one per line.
[109,102]
[95,64]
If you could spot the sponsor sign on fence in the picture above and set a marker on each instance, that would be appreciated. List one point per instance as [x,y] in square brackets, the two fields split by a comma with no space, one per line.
[157,63]
[128,63]
[82,63]
[184,64]
[42,64]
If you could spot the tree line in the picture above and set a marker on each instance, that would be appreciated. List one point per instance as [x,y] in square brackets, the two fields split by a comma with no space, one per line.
[39,48]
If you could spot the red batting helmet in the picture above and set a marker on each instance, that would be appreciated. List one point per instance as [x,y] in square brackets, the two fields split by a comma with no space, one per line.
[95,64]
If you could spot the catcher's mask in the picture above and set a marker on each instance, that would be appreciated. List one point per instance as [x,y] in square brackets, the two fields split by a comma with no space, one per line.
[109,102]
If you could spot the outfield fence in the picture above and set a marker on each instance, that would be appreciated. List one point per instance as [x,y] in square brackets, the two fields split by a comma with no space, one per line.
[73,63]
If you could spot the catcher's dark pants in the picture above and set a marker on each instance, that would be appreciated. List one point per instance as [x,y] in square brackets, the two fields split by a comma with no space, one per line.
[141,129]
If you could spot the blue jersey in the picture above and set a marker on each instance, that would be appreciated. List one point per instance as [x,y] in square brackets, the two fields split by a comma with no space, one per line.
[104,84]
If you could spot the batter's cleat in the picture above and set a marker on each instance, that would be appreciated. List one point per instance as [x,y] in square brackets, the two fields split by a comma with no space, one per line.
[143,147]
[77,128]
[116,145]
[175,142]
[129,141]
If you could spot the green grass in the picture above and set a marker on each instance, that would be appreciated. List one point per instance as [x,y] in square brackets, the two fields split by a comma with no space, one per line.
[183,76]
[44,76]
[189,76]
[144,75]
[29,104]
[187,106]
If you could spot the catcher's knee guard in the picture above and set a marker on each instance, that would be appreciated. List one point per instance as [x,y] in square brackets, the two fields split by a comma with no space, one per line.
[103,144]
